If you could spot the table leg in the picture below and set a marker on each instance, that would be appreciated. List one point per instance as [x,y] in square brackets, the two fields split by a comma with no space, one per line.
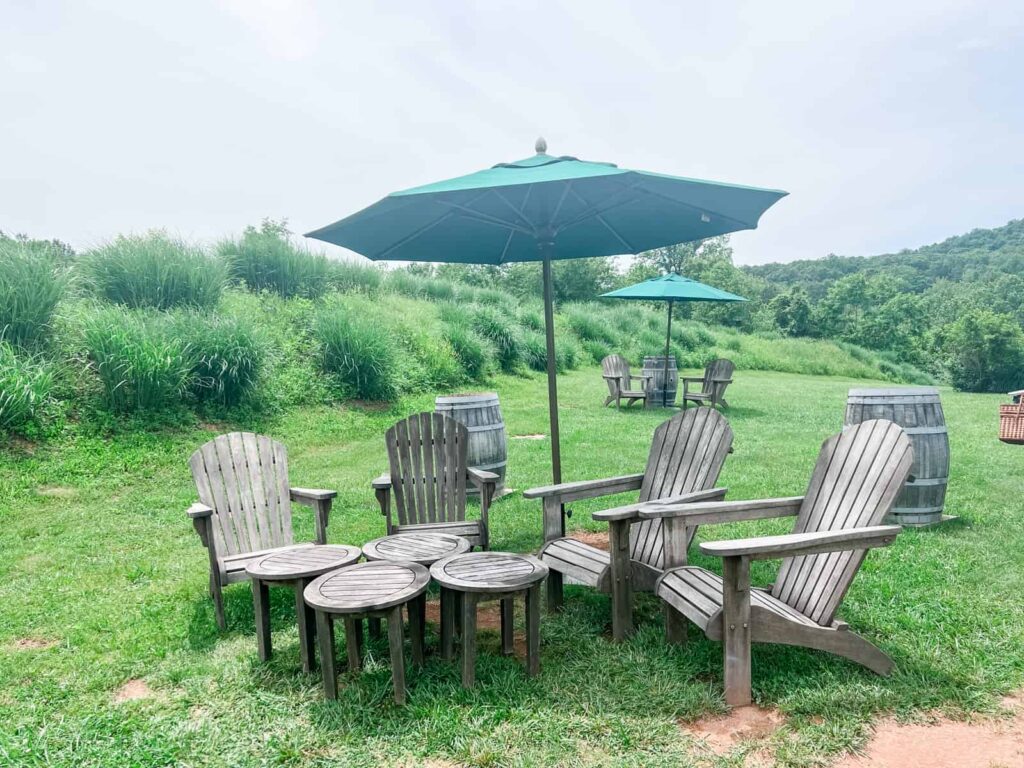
[507,624]
[458,612]
[468,638]
[307,627]
[395,640]
[261,607]
[325,633]
[353,642]
[533,630]
[417,615]
[447,623]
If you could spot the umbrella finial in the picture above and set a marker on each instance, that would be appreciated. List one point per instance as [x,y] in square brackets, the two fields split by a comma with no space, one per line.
[541,146]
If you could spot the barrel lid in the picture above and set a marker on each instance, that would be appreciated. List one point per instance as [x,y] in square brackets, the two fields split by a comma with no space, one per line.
[893,392]
[466,396]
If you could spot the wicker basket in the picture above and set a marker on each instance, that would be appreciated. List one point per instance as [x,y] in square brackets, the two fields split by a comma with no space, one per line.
[1011,423]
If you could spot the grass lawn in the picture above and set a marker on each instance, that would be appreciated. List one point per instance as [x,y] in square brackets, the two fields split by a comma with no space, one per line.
[102,581]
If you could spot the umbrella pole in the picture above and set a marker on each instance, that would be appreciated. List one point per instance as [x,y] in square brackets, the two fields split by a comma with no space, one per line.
[668,339]
[549,328]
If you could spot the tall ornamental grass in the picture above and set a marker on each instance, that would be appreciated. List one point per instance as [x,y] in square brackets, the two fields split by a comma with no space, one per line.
[25,385]
[503,332]
[31,284]
[154,271]
[359,352]
[264,259]
[227,356]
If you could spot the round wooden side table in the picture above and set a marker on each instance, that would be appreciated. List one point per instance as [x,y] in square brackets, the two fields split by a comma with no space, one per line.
[476,577]
[295,567]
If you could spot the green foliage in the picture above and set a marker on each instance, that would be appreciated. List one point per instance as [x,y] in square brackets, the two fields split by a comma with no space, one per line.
[358,351]
[473,352]
[984,351]
[142,364]
[25,385]
[589,323]
[227,355]
[348,276]
[153,270]
[790,312]
[31,284]
[503,332]
[265,259]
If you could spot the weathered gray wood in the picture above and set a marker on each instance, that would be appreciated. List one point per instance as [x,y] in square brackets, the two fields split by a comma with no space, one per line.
[353,646]
[717,376]
[427,453]
[507,625]
[424,548]
[325,636]
[586,489]
[855,482]
[261,609]
[662,383]
[617,376]
[533,630]
[711,512]
[395,640]
[448,608]
[621,580]
[487,449]
[307,626]
[242,479]
[736,629]
[468,640]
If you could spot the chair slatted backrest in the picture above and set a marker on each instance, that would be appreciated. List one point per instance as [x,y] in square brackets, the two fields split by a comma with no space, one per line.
[427,453]
[717,369]
[856,480]
[243,477]
[687,454]
[616,365]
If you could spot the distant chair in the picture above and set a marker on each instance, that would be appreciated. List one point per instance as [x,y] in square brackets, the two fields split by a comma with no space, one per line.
[244,508]
[620,381]
[717,376]
[855,482]
[427,453]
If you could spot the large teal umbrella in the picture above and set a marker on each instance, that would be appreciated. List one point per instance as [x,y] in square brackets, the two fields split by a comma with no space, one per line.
[671,288]
[545,208]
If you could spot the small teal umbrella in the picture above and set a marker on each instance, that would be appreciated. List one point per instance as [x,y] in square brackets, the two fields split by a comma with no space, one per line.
[544,208]
[671,288]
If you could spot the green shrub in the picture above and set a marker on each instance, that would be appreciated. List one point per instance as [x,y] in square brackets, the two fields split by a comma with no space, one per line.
[984,351]
[25,384]
[535,351]
[359,352]
[349,276]
[473,352]
[153,270]
[569,355]
[589,323]
[227,356]
[501,331]
[438,290]
[531,318]
[141,363]
[31,284]
[265,259]
[597,350]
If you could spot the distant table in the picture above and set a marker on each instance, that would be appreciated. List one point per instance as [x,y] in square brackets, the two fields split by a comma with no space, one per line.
[295,567]
[477,577]
[369,590]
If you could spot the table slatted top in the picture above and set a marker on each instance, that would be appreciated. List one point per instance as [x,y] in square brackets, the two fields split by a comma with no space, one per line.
[302,561]
[367,587]
[488,571]
[422,548]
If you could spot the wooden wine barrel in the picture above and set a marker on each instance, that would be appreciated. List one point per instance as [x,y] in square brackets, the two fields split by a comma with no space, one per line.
[660,394]
[481,413]
[919,411]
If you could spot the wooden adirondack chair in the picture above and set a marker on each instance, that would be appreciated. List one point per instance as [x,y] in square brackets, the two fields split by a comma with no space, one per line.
[686,457]
[427,455]
[717,376]
[620,381]
[244,509]
[856,480]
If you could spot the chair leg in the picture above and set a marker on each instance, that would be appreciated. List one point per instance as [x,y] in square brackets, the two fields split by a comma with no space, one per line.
[554,589]
[736,630]
[507,626]
[468,639]
[417,618]
[217,593]
[675,626]
[354,642]
[325,634]
[261,608]
[447,624]
[533,630]
[307,627]
[621,580]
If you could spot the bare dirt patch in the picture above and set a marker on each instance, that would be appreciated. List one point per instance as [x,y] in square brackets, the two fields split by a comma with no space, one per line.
[56,491]
[597,539]
[742,725]
[132,690]
[945,743]
[537,436]
[32,643]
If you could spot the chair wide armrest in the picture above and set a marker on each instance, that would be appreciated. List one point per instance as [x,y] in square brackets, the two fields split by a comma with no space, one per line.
[310,495]
[382,483]
[691,379]
[587,489]
[632,511]
[793,544]
[480,477]
[709,512]
[199,510]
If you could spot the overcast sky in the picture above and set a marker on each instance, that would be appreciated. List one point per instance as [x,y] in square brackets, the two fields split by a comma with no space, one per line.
[892,124]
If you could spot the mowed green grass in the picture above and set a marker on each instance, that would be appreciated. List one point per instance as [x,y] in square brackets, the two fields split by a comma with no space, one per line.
[102,580]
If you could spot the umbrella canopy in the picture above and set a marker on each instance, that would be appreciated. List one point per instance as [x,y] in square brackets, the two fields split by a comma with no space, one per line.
[545,208]
[671,288]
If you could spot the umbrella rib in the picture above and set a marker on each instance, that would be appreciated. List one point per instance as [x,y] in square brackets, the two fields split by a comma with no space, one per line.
[484,218]
[596,210]
[413,235]
[746,225]
[511,207]
[608,226]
